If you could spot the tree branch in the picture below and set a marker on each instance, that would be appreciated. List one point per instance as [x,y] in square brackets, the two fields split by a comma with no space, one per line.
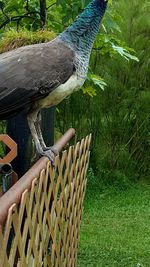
[16,18]
[51,6]
[4,12]
[43,13]
[27,6]
[97,49]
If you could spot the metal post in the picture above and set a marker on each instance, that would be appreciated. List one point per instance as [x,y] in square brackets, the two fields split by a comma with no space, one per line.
[18,130]
[6,172]
[7,176]
[7,181]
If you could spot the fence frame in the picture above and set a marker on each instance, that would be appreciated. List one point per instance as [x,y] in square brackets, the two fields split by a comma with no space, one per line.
[13,195]
[74,188]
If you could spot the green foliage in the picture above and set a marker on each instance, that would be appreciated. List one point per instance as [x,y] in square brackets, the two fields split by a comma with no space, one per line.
[117,113]
[16,13]
[93,83]
[118,117]
[124,52]
[97,80]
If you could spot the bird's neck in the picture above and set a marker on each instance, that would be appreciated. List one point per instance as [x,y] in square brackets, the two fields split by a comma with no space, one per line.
[81,34]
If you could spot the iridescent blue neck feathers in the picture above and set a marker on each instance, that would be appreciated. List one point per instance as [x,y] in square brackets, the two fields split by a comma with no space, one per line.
[81,34]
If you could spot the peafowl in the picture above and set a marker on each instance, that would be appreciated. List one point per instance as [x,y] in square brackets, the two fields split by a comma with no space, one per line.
[42,75]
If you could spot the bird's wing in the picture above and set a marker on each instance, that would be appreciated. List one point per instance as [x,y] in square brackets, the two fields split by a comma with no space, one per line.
[32,72]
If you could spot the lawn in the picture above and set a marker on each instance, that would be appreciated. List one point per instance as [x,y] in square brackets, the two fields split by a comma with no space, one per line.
[115,228]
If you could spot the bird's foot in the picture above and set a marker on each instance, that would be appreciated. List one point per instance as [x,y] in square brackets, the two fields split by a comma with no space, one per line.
[52,148]
[51,153]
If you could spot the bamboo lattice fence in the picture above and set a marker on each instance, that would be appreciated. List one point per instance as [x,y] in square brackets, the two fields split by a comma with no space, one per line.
[42,227]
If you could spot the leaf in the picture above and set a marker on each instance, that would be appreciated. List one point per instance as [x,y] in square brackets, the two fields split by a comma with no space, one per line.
[129,56]
[97,80]
[110,2]
[89,90]
[124,52]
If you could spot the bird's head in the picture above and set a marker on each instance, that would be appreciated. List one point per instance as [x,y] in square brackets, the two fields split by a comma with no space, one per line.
[101,2]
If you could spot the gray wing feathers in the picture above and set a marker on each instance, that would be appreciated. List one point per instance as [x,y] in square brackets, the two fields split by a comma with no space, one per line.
[32,72]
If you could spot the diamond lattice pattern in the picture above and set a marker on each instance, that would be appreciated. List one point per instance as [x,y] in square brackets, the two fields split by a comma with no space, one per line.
[43,230]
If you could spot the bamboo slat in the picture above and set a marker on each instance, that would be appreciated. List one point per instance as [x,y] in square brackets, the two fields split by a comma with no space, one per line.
[43,228]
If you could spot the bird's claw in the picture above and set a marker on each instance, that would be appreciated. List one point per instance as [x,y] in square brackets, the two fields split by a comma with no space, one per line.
[52,148]
[51,153]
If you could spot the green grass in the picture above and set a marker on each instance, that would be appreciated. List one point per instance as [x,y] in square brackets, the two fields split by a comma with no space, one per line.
[115,229]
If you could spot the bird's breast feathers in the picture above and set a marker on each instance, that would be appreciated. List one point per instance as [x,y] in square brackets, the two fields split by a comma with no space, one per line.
[62,91]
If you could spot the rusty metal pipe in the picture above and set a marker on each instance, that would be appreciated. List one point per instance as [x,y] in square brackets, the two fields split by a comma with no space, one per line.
[13,195]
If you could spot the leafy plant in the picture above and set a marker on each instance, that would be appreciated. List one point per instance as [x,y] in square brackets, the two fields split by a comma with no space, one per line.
[117,111]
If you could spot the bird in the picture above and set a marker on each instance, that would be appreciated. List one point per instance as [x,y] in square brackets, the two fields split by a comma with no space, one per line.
[40,76]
